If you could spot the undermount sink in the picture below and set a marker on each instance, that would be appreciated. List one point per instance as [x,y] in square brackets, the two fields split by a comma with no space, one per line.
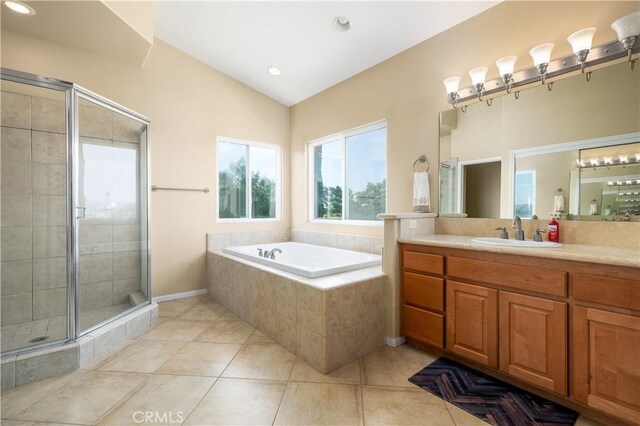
[516,243]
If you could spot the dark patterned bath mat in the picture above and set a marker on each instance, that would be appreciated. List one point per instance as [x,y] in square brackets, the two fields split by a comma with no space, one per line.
[489,399]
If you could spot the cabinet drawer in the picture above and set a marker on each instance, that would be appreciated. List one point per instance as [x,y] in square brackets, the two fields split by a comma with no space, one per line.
[540,280]
[423,262]
[607,291]
[422,325]
[425,291]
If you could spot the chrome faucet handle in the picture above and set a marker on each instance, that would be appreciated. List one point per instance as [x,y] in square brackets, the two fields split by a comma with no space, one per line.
[504,234]
[538,235]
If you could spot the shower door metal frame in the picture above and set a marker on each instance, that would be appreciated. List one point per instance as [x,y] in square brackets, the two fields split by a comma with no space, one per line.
[73,93]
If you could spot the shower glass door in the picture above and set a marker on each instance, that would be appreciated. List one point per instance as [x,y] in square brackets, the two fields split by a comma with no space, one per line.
[111,204]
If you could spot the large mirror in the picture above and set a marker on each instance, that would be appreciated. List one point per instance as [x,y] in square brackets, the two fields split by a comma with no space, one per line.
[573,149]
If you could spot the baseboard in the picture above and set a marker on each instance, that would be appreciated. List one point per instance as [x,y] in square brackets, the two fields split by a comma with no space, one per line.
[184,294]
[394,342]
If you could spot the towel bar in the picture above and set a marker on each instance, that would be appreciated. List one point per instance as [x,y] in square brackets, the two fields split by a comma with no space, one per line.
[159,188]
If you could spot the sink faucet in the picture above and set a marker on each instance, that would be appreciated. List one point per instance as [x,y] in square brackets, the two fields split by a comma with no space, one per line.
[517,224]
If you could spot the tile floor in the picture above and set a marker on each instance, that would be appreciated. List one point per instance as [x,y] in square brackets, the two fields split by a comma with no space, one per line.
[201,365]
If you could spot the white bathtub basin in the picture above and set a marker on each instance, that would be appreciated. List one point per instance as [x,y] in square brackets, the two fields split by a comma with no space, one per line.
[306,259]
[516,243]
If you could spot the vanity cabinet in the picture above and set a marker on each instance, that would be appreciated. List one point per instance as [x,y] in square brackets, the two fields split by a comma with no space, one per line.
[472,322]
[567,328]
[606,361]
[533,340]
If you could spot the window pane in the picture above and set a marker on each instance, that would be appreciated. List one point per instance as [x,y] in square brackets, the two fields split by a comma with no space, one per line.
[328,161]
[263,182]
[232,178]
[366,174]
[524,192]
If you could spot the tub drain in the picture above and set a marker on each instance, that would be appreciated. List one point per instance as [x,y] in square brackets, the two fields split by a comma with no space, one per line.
[38,339]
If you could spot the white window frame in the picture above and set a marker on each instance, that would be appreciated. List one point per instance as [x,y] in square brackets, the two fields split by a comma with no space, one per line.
[249,144]
[311,174]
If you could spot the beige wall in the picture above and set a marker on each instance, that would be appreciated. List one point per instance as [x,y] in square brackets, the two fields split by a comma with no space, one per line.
[189,104]
[407,89]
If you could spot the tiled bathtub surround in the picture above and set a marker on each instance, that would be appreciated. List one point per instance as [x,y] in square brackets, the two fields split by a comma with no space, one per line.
[230,239]
[608,234]
[328,321]
[342,241]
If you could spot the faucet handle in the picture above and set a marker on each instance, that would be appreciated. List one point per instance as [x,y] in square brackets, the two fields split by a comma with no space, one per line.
[538,235]
[504,235]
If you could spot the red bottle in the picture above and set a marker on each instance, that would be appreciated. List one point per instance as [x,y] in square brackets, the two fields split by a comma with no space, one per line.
[554,230]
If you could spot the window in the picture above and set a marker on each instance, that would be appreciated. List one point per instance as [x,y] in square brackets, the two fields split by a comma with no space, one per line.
[349,175]
[240,162]
[525,193]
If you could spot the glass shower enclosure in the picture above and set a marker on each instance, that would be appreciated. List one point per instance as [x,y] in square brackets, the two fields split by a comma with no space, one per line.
[74,211]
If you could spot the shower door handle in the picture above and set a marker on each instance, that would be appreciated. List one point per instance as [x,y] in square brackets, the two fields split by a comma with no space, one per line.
[80,212]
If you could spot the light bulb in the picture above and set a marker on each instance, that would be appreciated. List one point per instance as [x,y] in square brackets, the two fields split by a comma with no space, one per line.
[594,161]
[608,160]
[637,156]
[581,40]
[541,54]
[624,159]
[478,75]
[610,183]
[452,84]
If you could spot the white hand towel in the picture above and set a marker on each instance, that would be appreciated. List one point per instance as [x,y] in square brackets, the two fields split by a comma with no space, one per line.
[558,203]
[421,193]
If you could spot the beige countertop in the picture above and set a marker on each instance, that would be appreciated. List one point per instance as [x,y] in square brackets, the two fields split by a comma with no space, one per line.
[577,252]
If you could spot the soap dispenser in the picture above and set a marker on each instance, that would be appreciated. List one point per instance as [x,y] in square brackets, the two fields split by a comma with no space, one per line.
[553,228]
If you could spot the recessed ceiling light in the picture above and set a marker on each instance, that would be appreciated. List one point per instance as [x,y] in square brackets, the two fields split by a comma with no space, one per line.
[274,70]
[19,7]
[342,23]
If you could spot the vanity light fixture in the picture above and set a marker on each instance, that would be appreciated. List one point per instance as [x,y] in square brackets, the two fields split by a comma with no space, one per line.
[624,159]
[506,66]
[628,30]
[541,55]
[584,54]
[594,162]
[581,44]
[608,160]
[20,7]
[452,84]
[478,76]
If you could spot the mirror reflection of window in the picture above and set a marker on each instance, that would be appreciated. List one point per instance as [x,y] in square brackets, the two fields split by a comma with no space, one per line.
[525,190]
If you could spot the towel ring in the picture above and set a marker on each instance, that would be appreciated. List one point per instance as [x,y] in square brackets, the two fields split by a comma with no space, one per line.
[421,159]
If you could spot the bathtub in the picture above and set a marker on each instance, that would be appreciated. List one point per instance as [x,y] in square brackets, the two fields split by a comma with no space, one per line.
[307,260]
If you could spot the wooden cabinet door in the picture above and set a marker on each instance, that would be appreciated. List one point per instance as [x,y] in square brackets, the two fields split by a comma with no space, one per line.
[606,362]
[533,340]
[472,328]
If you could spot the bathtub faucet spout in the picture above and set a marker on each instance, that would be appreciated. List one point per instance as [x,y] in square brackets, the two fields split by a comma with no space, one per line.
[272,254]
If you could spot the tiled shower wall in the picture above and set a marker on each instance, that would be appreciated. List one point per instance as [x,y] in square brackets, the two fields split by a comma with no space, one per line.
[33,209]
[34,217]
